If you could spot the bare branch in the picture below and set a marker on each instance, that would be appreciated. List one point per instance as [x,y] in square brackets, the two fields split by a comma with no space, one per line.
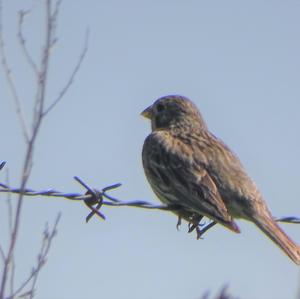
[22,41]
[10,81]
[9,205]
[56,9]
[12,275]
[222,295]
[73,75]
[2,164]
[41,260]
[37,120]
[44,69]
[54,18]
[2,253]
[41,72]
[10,227]
[48,237]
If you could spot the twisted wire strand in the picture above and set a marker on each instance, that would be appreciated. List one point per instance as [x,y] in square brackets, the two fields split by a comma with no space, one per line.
[94,199]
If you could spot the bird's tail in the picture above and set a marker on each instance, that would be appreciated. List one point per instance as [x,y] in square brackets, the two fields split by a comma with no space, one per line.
[268,225]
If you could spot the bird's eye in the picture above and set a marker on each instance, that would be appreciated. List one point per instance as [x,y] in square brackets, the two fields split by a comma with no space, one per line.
[160,107]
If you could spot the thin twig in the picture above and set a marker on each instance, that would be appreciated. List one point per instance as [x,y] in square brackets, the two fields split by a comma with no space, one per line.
[12,275]
[22,41]
[49,238]
[1,249]
[37,120]
[41,71]
[44,70]
[46,245]
[56,10]
[10,81]
[222,295]
[2,253]
[9,206]
[10,227]
[54,18]
[72,77]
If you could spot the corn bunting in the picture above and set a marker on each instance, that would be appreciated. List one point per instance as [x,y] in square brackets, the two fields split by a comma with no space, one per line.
[192,170]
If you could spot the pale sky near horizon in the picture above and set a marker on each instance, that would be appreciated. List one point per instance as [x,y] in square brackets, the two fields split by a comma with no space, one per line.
[238,61]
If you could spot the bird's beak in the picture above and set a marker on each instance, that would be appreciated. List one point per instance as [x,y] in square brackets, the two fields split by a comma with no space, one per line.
[147,113]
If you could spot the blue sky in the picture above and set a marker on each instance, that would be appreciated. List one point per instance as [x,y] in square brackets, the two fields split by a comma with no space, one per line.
[238,61]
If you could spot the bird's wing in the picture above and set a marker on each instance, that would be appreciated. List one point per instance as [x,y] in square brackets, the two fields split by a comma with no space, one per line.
[178,176]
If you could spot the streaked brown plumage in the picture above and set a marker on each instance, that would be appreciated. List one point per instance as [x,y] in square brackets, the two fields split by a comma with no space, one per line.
[187,166]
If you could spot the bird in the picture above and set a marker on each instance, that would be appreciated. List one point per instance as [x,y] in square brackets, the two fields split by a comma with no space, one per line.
[195,172]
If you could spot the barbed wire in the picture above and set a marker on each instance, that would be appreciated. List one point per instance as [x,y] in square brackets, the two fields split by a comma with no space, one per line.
[94,199]
[2,164]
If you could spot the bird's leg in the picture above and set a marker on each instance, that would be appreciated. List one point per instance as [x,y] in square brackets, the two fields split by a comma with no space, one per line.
[194,222]
[182,214]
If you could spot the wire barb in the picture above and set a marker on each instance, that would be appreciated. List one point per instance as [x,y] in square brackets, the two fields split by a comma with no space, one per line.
[2,164]
[289,219]
[95,198]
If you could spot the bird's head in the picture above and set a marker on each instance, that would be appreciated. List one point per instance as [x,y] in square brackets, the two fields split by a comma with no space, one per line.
[174,111]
